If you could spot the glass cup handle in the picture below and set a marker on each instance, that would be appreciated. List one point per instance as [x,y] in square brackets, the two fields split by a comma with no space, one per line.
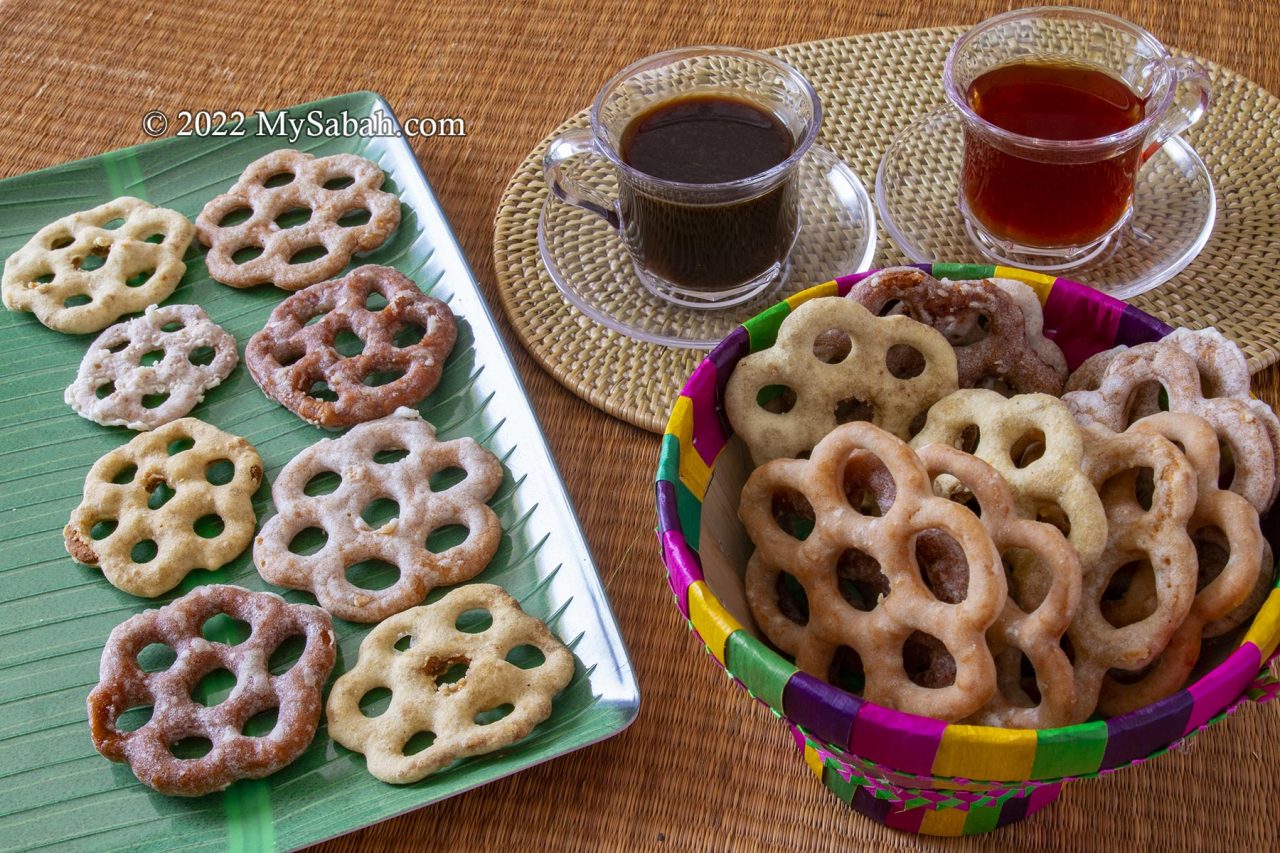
[1191,99]
[576,143]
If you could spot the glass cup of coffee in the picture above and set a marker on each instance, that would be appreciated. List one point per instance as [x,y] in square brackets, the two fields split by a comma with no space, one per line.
[1061,107]
[703,145]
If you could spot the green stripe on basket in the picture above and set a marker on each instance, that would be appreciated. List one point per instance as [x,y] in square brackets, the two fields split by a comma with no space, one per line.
[250,828]
[982,819]
[764,673]
[688,507]
[963,272]
[763,328]
[838,785]
[1070,751]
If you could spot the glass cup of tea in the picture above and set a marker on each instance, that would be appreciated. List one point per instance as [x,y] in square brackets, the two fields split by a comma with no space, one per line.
[693,156]
[1060,108]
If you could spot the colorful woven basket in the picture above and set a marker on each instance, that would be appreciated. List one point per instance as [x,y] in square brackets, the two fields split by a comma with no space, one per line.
[910,772]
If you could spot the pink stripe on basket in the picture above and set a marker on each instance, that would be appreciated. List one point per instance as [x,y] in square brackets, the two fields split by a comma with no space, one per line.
[1042,796]
[904,742]
[908,820]
[1081,320]
[708,435]
[683,567]
[1222,685]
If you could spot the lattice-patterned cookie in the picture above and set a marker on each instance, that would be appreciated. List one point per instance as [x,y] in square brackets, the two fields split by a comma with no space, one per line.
[172,500]
[332,192]
[450,686]
[397,350]
[424,509]
[156,751]
[150,370]
[82,272]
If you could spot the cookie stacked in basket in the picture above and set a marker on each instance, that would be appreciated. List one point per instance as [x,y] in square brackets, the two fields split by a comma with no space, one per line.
[950,524]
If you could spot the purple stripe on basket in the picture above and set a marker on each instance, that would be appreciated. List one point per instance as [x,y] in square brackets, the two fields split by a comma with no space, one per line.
[827,712]
[908,820]
[1139,733]
[865,803]
[1081,320]
[683,567]
[725,357]
[1013,810]
[1137,327]
[904,742]
[668,515]
[845,282]
[709,435]
[1223,684]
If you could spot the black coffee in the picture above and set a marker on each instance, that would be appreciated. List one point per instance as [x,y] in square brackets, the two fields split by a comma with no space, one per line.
[708,139]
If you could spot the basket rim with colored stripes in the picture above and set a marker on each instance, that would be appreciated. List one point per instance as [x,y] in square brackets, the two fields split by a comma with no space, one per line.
[924,749]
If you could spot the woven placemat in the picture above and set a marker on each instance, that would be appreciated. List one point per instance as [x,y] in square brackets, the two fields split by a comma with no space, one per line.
[871,87]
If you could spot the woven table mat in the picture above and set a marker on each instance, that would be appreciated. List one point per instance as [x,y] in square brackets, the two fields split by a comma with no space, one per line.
[872,86]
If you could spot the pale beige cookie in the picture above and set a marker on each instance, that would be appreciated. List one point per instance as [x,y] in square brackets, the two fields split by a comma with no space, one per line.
[172,500]
[82,272]
[150,370]
[362,472]
[784,399]
[469,674]
[346,212]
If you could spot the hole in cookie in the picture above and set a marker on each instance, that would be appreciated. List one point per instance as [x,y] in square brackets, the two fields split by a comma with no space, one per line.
[234,217]
[491,716]
[316,318]
[106,390]
[446,478]
[968,439]
[151,357]
[286,654]
[456,672]
[245,254]
[102,529]
[967,329]
[942,564]
[526,657]
[320,390]
[861,582]
[134,718]
[348,343]
[852,409]
[1028,448]
[792,512]
[917,424]
[159,495]
[1146,398]
[404,643]
[793,601]
[927,662]
[119,346]
[1054,515]
[1213,551]
[93,261]
[1136,484]
[172,326]
[144,551]
[1130,596]
[44,279]
[209,526]
[1125,676]
[226,629]
[307,255]
[140,278]
[125,475]
[846,671]
[279,179]
[449,536]
[154,401]
[76,301]
[156,238]
[308,541]
[376,702]
[288,356]
[191,748]
[202,356]
[372,574]
[324,483]
[868,485]
[1027,578]
[156,657]
[293,217]
[219,472]
[966,499]
[390,455]
[477,620]
[340,182]
[383,377]
[407,336]
[375,301]
[904,361]
[379,512]
[214,687]
[420,742]
[60,242]
[1226,466]
[832,346]
[261,724]
[778,399]
[353,218]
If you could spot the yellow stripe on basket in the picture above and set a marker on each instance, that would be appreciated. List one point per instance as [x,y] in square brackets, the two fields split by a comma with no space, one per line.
[712,622]
[814,760]
[944,822]
[984,752]
[1039,282]
[693,472]
[1265,630]
[819,290]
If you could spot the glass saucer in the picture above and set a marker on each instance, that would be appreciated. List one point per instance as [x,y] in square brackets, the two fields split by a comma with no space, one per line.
[917,196]
[588,263]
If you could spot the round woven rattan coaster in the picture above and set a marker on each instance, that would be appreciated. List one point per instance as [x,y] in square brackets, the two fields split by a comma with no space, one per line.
[872,86]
